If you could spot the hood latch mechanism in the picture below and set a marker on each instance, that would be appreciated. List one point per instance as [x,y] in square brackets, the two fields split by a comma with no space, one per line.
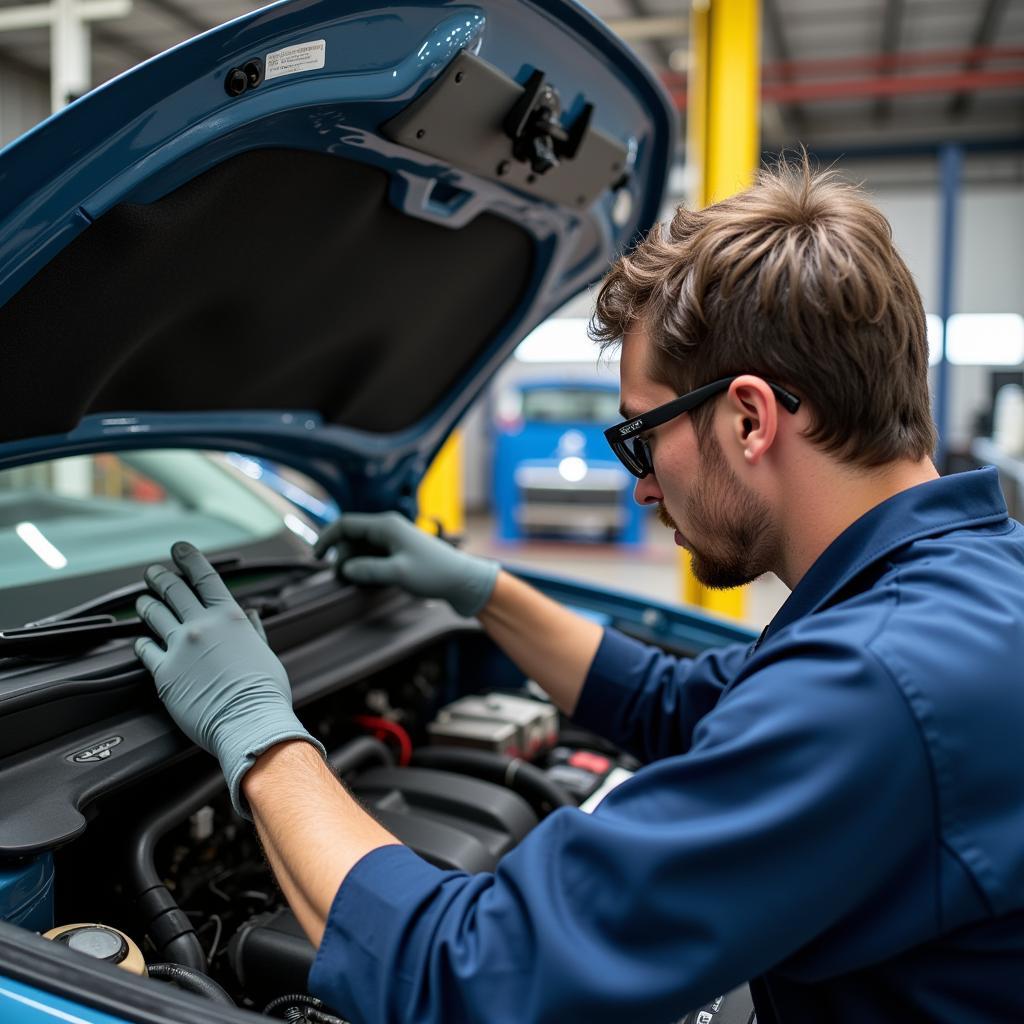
[535,128]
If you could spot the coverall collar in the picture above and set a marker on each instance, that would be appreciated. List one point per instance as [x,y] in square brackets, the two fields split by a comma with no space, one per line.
[938,506]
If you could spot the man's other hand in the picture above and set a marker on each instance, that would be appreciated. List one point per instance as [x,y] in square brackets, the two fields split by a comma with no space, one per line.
[409,558]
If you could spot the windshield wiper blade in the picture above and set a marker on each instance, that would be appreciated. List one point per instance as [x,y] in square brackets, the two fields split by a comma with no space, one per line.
[92,623]
[231,568]
[68,637]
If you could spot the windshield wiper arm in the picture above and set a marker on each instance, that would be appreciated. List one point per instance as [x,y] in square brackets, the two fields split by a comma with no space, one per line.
[231,567]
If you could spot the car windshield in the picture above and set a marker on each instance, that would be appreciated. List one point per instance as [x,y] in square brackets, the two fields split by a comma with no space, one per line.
[570,405]
[71,529]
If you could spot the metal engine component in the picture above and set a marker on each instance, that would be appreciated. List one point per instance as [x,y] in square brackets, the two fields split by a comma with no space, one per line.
[498,737]
[476,721]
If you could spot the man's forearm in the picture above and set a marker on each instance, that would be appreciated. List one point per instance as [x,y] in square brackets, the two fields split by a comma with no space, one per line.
[312,830]
[309,920]
[551,644]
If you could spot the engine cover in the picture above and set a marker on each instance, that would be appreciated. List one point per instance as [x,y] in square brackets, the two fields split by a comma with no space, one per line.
[452,821]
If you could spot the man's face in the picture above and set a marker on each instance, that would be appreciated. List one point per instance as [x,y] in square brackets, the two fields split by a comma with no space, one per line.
[726,526]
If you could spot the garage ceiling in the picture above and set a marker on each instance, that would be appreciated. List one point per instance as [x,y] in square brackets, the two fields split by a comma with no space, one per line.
[835,74]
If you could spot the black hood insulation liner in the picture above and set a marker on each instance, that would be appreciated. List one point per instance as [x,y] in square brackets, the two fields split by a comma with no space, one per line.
[280,279]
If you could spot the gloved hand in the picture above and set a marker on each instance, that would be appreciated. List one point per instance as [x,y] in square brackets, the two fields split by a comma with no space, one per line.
[423,565]
[220,681]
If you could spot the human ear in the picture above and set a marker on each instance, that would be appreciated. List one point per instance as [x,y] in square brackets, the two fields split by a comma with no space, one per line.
[753,417]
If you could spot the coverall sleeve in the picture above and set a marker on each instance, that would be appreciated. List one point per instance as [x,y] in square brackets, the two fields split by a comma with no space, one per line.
[648,702]
[701,872]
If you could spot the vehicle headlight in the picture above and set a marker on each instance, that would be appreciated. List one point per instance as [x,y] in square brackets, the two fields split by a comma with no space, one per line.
[573,469]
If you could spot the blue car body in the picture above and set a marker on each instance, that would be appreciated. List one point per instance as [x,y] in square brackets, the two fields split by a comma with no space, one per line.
[316,508]
[180,261]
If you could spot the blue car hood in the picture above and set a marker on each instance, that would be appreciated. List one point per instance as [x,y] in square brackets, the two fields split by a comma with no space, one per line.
[314,233]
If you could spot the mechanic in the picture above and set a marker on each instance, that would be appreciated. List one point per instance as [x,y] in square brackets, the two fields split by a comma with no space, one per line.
[836,811]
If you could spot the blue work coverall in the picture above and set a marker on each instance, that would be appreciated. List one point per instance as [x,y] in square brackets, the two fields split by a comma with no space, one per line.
[836,812]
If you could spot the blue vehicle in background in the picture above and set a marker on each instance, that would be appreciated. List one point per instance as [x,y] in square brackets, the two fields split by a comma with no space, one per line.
[553,473]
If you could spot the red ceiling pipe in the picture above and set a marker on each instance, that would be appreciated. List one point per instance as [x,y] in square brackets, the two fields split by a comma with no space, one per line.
[892,85]
[858,88]
[795,70]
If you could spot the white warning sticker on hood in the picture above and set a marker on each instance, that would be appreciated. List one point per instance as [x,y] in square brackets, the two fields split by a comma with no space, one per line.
[293,59]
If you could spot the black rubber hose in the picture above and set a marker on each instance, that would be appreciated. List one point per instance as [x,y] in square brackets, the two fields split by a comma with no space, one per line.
[313,1006]
[354,754]
[168,926]
[190,980]
[543,795]
[358,753]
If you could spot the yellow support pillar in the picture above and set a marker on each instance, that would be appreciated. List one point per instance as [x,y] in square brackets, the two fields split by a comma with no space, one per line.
[723,135]
[723,146]
[440,496]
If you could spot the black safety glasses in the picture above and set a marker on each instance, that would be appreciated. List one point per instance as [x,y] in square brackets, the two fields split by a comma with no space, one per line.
[632,448]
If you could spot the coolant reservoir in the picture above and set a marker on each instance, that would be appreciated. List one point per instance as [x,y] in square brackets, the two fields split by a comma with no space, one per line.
[26,892]
[101,942]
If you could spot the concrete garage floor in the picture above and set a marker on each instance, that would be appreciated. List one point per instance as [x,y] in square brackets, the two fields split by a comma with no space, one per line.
[651,569]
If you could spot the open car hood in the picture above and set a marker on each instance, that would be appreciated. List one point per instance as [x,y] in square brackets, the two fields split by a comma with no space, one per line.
[314,233]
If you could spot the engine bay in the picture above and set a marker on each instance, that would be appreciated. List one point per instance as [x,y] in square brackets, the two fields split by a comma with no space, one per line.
[167,881]
[120,842]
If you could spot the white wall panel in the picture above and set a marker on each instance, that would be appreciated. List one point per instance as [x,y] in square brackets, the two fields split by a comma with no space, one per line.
[24,102]
[989,268]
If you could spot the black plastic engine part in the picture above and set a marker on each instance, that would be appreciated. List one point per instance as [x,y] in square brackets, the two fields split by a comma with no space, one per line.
[270,954]
[454,822]
[540,792]
[577,781]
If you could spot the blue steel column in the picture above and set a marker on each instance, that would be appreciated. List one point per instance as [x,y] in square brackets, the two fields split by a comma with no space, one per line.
[951,159]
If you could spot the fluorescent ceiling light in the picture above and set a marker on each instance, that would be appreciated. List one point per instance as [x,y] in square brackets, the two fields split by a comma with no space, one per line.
[560,340]
[985,339]
[33,537]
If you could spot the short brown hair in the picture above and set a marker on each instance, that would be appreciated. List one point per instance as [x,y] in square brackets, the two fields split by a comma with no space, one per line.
[796,280]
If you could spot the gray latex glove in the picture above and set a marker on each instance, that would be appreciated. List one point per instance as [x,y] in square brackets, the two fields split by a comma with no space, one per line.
[409,558]
[222,684]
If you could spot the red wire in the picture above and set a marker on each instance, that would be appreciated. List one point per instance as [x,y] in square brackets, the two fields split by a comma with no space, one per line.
[384,728]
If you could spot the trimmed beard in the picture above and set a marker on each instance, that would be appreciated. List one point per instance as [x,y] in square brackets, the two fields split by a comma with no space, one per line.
[739,541]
